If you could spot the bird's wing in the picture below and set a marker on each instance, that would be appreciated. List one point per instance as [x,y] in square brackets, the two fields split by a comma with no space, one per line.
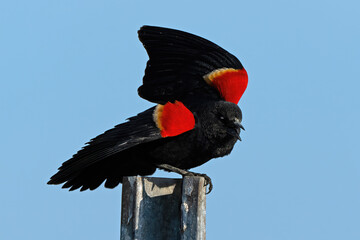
[108,149]
[184,67]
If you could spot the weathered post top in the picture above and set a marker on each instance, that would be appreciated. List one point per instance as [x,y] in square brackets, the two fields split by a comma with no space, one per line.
[163,208]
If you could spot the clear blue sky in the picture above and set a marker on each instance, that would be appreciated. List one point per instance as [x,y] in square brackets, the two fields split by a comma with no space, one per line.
[69,70]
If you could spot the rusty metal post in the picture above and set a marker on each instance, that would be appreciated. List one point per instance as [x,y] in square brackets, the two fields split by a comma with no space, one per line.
[163,208]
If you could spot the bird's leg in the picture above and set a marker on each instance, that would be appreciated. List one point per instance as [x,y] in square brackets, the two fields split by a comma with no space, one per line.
[183,172]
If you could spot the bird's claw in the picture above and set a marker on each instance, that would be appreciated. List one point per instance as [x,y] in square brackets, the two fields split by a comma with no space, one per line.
[208,181]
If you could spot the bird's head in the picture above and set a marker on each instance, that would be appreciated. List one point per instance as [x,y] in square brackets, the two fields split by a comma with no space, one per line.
[223,120]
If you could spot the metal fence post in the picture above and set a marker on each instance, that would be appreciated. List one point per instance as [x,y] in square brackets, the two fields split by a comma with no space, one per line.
[163,208]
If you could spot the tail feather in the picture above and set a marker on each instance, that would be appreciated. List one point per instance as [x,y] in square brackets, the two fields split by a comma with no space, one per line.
[110,170]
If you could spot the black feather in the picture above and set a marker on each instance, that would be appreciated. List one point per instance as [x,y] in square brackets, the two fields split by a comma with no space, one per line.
[98,156]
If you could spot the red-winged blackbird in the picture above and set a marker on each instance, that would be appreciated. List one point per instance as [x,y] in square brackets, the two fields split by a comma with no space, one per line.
[197,86]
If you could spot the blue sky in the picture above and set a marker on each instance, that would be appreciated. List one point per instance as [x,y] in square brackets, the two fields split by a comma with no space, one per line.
[69,70]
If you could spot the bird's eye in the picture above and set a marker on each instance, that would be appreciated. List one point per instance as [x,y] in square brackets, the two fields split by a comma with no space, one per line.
[222,118]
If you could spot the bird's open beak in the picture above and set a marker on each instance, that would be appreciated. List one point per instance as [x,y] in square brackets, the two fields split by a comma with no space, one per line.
[236,131]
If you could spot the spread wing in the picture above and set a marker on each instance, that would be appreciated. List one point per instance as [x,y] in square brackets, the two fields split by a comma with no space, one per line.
[178,65]
[121,151]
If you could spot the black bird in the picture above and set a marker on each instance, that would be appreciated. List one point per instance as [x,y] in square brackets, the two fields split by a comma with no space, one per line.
[197,86]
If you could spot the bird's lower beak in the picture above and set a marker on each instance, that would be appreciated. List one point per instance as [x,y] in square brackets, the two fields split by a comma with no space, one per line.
[234,132]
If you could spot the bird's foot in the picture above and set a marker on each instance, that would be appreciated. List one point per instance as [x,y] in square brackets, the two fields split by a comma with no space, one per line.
[183,172]
[208,181]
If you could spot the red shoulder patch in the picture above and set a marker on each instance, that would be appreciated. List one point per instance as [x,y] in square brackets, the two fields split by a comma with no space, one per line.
[173,119]
[230,82]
